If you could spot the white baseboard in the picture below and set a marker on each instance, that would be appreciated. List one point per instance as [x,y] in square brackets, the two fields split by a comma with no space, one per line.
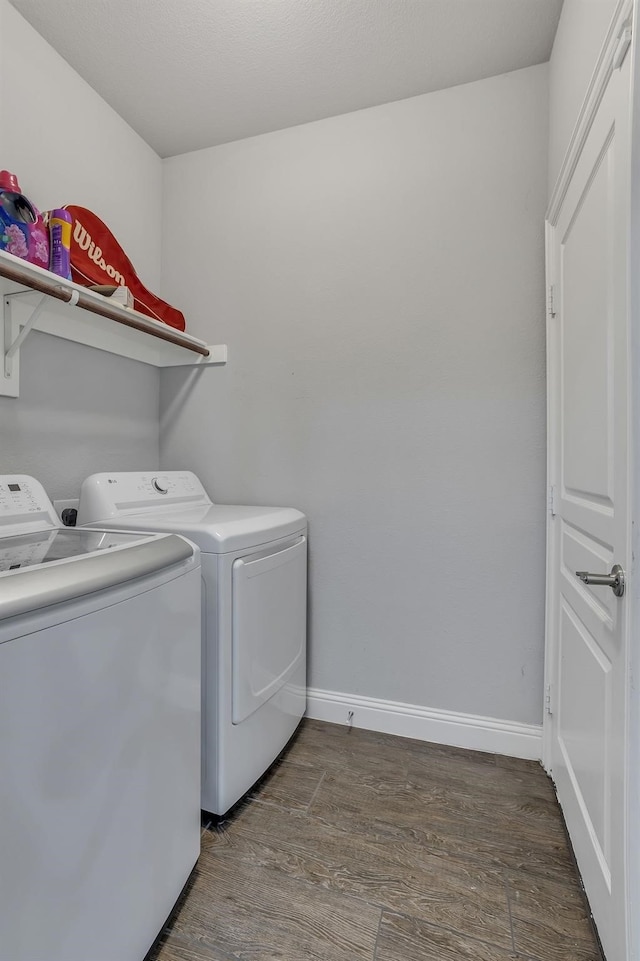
[441,727]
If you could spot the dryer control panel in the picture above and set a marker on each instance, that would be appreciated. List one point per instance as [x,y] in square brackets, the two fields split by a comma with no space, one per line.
[24,506]
[104,496]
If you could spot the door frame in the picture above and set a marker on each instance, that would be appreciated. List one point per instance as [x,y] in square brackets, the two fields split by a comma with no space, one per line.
[612,51]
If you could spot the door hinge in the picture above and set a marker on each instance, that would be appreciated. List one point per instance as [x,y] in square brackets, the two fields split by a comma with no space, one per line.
[547,700]
[552,500]
[624,42]
[550,305]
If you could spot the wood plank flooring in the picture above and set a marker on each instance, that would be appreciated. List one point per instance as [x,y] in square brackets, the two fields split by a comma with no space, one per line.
[365,847]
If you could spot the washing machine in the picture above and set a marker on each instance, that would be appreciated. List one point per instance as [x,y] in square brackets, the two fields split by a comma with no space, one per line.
[99,732]
[254,590]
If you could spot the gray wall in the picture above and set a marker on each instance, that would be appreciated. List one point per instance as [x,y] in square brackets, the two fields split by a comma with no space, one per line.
[78,413]
[379,280]
[80,410]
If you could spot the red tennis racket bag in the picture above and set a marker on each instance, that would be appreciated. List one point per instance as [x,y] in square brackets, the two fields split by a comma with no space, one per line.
[98,258]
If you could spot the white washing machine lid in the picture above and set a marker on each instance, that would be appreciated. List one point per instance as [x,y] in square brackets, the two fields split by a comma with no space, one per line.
[46,567]
[216,528]
[43,563]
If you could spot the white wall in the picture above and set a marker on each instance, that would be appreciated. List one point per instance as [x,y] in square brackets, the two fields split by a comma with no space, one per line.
[66,145]
[579,38]
[77,414]
[379,280]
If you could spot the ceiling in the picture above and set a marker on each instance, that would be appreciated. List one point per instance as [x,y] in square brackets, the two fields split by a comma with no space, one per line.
[194,73]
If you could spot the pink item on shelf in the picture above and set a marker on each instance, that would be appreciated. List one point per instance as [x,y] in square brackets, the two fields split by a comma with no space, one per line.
[22,229]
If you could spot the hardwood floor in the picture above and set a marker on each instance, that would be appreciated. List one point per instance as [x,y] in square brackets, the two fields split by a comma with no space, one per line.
[365,847]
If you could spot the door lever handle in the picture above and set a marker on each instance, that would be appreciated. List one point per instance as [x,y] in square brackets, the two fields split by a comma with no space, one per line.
[614,580]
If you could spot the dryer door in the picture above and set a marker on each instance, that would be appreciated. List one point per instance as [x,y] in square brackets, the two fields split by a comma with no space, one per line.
[269,624]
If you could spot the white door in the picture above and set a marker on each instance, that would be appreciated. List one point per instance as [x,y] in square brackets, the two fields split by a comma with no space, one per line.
[587,642]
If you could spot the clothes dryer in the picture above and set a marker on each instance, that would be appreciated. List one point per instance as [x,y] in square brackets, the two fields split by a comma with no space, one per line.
[254,590]
[99,732]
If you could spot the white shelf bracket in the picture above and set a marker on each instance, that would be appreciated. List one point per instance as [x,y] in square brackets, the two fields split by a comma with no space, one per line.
[14,347]
[12,340]
[48,303]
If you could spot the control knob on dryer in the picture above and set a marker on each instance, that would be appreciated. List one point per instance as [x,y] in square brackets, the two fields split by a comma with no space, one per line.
[161,484]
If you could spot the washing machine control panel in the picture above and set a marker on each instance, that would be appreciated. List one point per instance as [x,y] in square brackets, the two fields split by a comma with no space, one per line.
[23,505]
